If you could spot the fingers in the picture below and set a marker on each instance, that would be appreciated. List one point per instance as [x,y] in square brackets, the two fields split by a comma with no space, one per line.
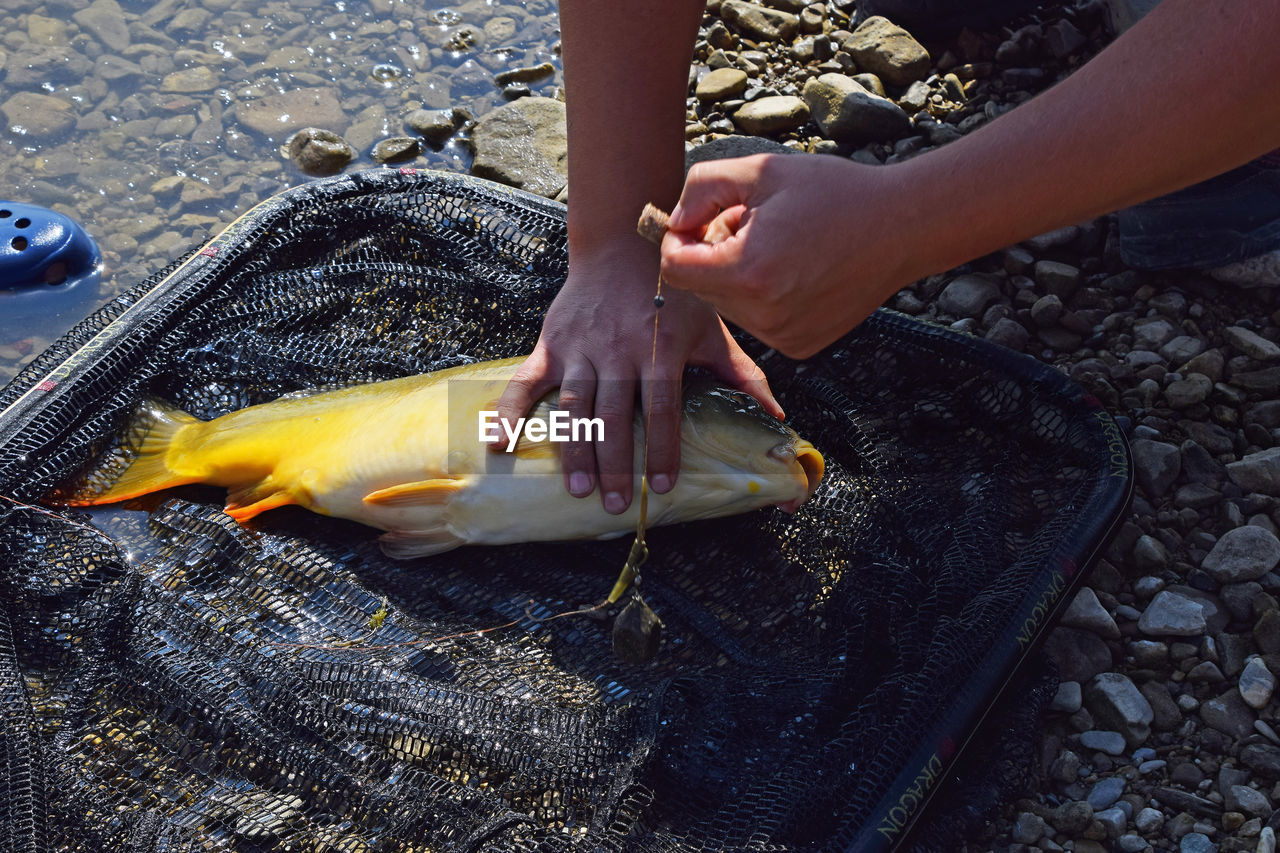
[578,458]
[662,418]
[712,187]
[531,380]
[737,370]
[615,406]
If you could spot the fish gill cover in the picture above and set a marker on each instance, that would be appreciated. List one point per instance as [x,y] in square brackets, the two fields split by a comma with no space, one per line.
[181,682]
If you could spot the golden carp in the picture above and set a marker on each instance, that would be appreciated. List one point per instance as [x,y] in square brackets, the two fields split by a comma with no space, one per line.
[406,456]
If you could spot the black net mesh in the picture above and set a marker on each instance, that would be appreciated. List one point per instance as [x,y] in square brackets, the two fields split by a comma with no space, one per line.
[178,682]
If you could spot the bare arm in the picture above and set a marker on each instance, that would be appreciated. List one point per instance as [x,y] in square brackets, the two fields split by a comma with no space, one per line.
[1177,99]
[626,148]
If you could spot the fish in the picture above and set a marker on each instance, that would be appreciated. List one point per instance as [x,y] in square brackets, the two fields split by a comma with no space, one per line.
[407,456]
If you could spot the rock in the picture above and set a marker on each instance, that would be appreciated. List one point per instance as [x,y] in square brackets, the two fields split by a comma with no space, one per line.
[37,116]
[1257,472]
[1057,278]
[1131,843]
[1263,759]
[1228,714]
[1068,698]
[1148,821]
[435,126]
[104,20]
[1078,655]
[1242,798]
[1087,613]
[967,295]
[1165,713]
[1187,392]
[1009,333]
[397,149]
[1152,333]
[1063,39]
[1156,465]
[1105,792]
[1112,743]
[523,144]
[112,67]
[1047,310]
[1028,828]
[48,31]
[281,114]
[1251,343]
[1172,614]
[771,115]
[525,74]
[1113,820]
[760,22]
[734,146]
[1196,842]
[721,84]
[1117,704]
[1256,683]
[1073,818]
[888,51]
[847,112]
[1242,554]
[198,78]
[1149,554]
[1265,381]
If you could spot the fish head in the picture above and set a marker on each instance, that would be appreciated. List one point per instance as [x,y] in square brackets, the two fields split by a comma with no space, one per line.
[735,453]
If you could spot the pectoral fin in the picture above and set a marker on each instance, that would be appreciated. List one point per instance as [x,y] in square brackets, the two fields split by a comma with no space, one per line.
[244,504]
[406,544]
[436,491]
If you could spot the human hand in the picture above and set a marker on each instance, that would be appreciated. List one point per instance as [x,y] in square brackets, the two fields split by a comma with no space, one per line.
[597,344]
[796,250]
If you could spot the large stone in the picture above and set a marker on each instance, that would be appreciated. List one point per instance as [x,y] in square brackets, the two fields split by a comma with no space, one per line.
[1251,343]
[1087,613]
[848,112]
[104,20]
[1172,614]
[771,115]
[279,115]
[1257,472]
[888,51]
[1243,554]
[1228,714]
[1118,705]
[37,116]
[523,144]
[1156,465]
[721,84]
[760,22]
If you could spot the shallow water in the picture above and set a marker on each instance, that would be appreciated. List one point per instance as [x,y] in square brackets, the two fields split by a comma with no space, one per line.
[159,151]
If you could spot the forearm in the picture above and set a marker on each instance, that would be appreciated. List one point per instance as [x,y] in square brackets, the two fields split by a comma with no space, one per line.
[625,114]
[1179,98]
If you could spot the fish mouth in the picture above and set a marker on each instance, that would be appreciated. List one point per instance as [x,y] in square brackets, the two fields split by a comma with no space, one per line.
[803,454]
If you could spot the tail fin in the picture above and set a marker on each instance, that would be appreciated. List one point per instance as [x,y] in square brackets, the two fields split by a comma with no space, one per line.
[151,433]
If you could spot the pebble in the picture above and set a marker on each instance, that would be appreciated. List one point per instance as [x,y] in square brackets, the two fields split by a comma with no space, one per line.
[1228,714]
[772,115]
[1068,698]
[1057,278]
[1105,792]
[1028,828]
[1266,840]
[760,22]
[1248,800]
[1113,820]
[1148,821]
[1251,343]
[1173,614]
[435,126]
[279,115]
[1257,683]
[37,116]
[1087,613]
[1131,843]
[397,149]
[888,51]
[847,112]
[721,84]
[1257,472]
[1196,842]
[1156,465]
[318,152]
[1112,743]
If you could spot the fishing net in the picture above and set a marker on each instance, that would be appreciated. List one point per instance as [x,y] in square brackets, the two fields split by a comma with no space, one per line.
[170,680]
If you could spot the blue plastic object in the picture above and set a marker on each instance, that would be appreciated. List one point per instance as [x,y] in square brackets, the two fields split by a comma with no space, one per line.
[49,267]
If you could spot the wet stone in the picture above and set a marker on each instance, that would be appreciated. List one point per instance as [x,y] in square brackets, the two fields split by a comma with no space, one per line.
[396,149]
[104,20]
[526,74]
[523,144]
[38,116]
[435,126]
[279,115]
[319,152]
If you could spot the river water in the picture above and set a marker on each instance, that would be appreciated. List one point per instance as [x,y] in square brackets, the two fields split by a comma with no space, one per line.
[158,141]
